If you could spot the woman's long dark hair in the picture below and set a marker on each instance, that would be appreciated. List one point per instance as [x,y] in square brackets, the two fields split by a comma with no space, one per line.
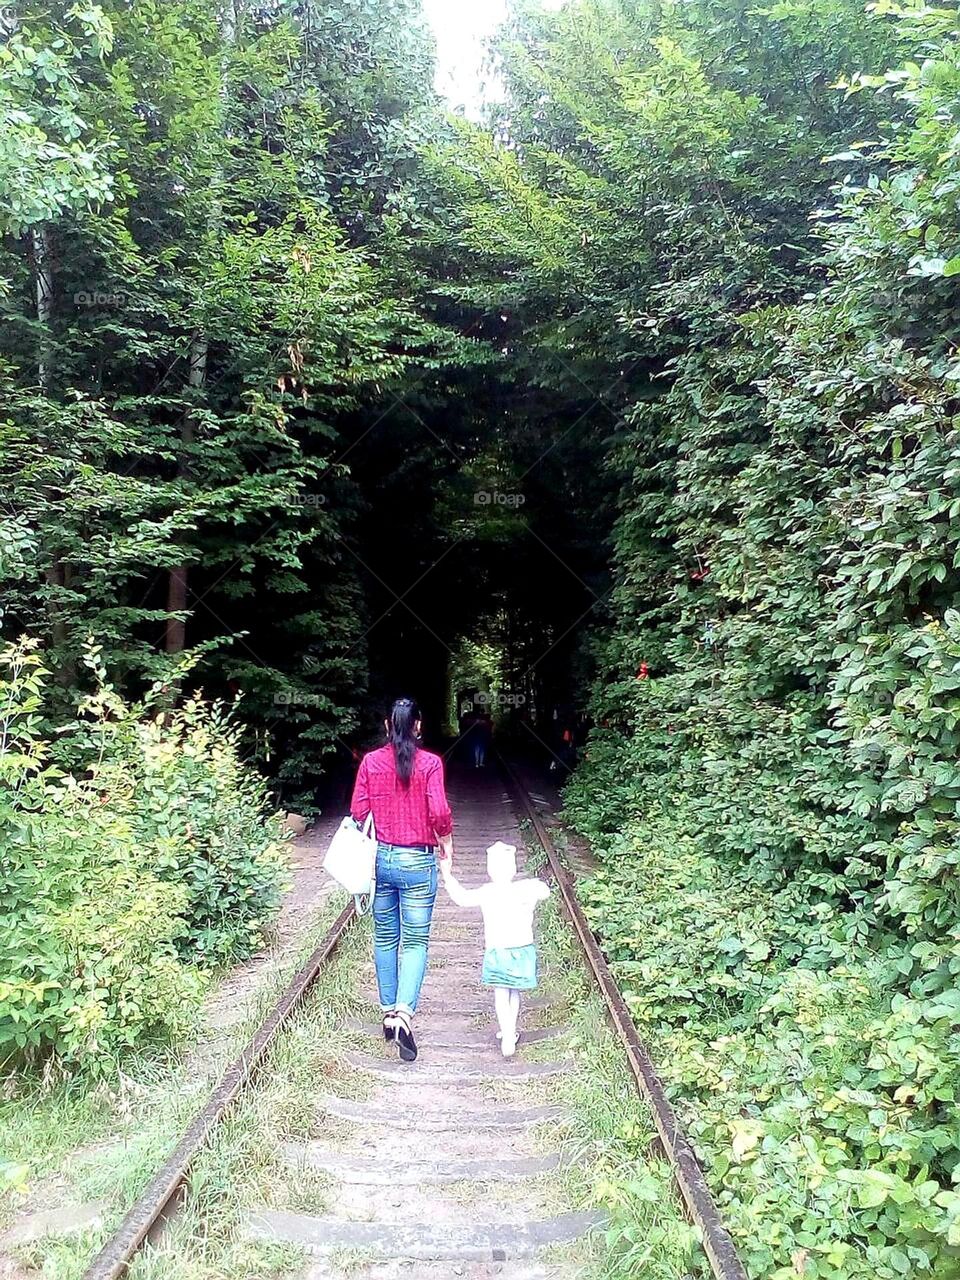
[402,732]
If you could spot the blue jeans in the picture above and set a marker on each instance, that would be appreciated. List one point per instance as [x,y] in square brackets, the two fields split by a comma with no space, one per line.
[402,911]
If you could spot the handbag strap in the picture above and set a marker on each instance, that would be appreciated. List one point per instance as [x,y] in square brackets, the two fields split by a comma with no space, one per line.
[359,905]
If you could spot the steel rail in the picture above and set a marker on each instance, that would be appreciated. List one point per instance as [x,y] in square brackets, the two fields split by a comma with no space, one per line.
[157,1197]
[717,1242]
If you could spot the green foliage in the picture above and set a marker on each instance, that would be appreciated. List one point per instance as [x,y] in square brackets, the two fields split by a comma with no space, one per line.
[697,283]
[824,1112]
[777,804]
[50,158]
[197,811]
[218,316]
[124,881]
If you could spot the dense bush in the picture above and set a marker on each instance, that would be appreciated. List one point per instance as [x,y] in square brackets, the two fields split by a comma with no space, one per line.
[776,798]
[824,1109]
[124,880]
[199,811]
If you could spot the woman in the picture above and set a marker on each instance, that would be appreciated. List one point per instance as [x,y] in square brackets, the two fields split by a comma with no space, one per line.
[402,786]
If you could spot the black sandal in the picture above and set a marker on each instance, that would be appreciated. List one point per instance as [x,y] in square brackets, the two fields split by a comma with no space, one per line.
[389,1026]
[404,1036]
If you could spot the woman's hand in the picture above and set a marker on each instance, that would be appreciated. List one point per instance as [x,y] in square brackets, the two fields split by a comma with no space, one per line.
[445,852]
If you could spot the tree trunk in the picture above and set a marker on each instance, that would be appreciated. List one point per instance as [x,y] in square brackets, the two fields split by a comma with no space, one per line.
[43,273]
[56,573]
[178,586]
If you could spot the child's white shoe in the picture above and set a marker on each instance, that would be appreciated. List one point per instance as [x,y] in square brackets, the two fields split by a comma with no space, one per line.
[508,1046]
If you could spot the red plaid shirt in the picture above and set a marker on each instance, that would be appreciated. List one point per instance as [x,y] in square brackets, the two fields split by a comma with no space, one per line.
[415,814]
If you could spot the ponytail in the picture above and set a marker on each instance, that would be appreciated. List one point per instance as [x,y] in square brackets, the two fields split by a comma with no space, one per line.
[402,733]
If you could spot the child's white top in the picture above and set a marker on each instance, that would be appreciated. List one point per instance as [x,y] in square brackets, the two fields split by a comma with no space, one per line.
[507,907]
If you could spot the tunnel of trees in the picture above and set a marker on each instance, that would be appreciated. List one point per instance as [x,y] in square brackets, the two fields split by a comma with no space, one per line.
[313,432]
[638,399]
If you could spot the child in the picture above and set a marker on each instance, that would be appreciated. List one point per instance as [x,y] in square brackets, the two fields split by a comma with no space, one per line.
[510,959]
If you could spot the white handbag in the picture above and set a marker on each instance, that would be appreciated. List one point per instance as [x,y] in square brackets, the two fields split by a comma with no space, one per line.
[351,859]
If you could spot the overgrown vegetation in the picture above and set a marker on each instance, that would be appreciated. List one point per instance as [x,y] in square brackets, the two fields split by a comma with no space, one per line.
[68,1141]
[126,880]
[694,291]
[192,311]
[772,779]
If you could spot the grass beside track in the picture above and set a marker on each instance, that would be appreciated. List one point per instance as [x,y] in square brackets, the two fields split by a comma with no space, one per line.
[86,1141]
[610,1136]
[243,1166]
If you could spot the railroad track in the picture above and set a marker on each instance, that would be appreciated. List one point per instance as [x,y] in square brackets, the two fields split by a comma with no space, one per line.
[451,1129]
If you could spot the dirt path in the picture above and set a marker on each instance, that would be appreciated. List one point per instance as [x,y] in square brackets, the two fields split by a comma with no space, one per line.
[228,1003]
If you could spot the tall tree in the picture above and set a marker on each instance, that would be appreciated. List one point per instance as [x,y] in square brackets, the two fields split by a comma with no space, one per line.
[221,331]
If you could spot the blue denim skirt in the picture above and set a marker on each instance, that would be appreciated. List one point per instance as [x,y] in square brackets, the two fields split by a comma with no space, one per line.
[510,967]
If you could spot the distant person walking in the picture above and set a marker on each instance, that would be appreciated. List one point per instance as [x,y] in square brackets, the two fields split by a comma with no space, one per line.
[402,786]
[464,745]
[481,738]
